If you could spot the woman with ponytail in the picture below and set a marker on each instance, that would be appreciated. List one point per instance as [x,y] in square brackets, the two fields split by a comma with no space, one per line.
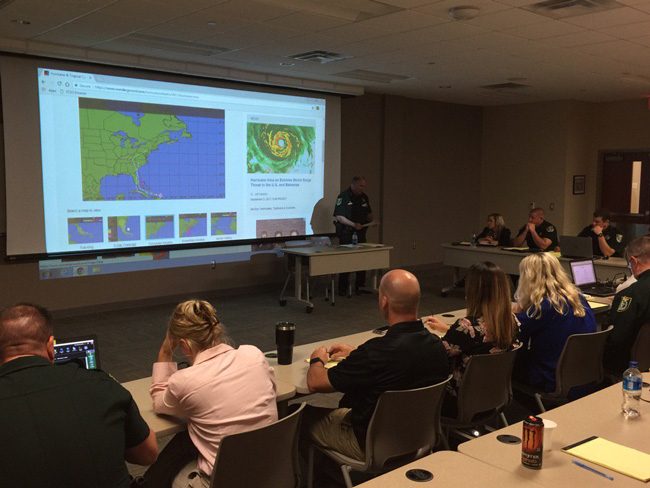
[225,390]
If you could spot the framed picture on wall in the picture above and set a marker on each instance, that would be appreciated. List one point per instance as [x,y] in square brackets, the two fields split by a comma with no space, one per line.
[579,184]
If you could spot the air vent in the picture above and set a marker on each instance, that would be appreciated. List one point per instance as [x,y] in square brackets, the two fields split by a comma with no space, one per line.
[505,86]
[374,76]
[320,57]
[184,47]
[562,9]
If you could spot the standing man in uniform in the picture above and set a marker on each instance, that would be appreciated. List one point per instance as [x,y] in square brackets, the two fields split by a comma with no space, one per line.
[538,234]
[352,211]
[606,240]
[630,308]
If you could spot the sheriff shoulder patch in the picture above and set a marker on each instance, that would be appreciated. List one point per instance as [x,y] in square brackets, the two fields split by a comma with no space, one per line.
[550,228]
[625,304]
[619,238]
[339,201]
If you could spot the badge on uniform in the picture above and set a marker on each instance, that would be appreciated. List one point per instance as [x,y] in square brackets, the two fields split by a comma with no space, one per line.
[339,201]
[619,238]
[550,228]
[625,304]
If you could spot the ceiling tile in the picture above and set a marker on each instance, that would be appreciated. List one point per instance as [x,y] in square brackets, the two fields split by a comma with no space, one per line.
[441,8]
[252,10]
[608,18]
[543,30]
[307,22]
[628,31]
[578,39]
[505,19]
[405,20]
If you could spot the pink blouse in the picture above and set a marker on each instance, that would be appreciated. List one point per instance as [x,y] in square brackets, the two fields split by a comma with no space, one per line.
[224,392]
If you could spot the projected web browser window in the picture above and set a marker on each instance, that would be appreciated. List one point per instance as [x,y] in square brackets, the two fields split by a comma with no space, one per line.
[129,162]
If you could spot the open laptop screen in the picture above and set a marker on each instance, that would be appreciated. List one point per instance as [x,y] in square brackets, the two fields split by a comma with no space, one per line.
[583,272]
[82,350]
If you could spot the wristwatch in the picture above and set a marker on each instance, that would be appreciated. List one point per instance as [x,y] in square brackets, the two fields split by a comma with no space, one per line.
[599,235]
[316,360]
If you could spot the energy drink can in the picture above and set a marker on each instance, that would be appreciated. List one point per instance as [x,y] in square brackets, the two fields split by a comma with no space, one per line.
[532,442]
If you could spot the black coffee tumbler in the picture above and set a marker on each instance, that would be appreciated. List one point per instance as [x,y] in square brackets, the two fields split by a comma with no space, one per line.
[284,335]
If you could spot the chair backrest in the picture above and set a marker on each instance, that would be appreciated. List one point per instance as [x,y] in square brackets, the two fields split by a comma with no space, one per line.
[641,348]
[581,361]
[404,422]
[486,386]
[264,457]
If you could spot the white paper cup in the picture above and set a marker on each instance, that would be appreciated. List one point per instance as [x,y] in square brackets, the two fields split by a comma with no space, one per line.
[549,428]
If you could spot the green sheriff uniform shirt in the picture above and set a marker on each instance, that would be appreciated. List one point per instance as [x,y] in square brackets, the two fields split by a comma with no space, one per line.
[613,237]
[64,426]
[355,208]
[630,310]
[545,230]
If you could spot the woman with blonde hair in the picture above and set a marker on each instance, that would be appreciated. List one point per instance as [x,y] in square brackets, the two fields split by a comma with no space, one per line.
[225,390]
[490,326]
[495,232]
[550,308]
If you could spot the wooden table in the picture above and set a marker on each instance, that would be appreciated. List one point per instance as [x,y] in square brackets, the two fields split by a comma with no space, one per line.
[449,469]
[462,257]
[322,261]
[597,414]
[164,425]
[296,372]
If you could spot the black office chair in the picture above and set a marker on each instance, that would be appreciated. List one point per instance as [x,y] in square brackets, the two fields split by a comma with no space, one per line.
[641,349]
[262,458]
[405,426]
[580,363]
[485,390]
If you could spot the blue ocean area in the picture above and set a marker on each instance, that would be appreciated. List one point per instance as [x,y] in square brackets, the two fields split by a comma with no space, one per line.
[187,168]
[222,226]
[85,232]
[133,233]
[199,229]
[164,232]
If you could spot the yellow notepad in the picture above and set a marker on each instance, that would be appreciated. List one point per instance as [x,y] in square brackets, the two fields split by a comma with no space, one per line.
[597,305]
[330,363]
[616,457]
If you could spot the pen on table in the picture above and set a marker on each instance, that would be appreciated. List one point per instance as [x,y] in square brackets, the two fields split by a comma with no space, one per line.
[595,471]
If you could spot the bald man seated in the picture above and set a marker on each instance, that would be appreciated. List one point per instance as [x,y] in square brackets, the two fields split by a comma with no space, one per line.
[407,356]
[62,426]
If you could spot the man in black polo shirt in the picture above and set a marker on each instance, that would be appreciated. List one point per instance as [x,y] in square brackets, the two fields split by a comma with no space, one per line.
[407,357]
[62,426]
[538,234]
[351,212]
[630,308]
[606,240]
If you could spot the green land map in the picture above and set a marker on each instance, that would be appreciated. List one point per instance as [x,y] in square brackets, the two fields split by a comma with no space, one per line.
[112,144]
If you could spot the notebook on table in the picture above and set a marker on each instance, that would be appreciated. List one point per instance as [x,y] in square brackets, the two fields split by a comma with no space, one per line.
[81,350]
[584,277]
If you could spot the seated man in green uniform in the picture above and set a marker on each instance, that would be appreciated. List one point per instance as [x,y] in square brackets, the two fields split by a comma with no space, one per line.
[62,426]
[630,308]
[606,240]
[538,234]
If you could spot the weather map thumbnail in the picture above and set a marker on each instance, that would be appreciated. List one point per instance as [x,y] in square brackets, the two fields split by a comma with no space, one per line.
[193,225]
[85,230]
[223,223]
[159,227]
[141,151]
[274,148]
[124,228]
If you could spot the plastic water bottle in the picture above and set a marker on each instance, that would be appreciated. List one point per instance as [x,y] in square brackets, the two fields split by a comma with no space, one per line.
[632,381]
[355,239]
[474,240]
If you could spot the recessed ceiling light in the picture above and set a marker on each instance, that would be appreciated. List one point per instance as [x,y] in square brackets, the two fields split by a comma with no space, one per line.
[21,21]
[463,12]
[212,23]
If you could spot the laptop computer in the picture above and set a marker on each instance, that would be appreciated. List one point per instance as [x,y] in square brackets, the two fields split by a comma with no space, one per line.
[576,247]
[584,277]
[81,350]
